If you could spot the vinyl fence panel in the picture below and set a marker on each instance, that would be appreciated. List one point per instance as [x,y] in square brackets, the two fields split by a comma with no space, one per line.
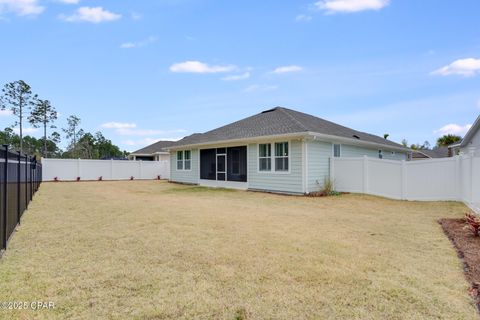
[85,169]
[456,178]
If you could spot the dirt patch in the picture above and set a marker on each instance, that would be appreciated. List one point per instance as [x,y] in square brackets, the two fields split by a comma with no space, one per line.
[468,249]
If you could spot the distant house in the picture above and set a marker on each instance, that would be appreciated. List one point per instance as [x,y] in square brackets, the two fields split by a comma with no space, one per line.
[471,141]
[153,152]
[278,150]
[436,153]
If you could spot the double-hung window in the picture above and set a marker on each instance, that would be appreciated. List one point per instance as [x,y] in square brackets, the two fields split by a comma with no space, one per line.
[184,160]
[337,151]
[281,156]
[265,157]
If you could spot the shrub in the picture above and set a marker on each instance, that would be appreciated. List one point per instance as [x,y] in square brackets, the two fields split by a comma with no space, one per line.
[131,178]
[55,179]
[100,178]
[472,223]
[327,190]
[78,178]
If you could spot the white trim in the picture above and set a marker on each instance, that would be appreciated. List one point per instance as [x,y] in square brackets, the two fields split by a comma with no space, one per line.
[183,160]
[272,156]
[292,136]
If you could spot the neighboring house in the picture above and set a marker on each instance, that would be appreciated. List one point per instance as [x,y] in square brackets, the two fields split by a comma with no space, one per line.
[153,152]
[425,154]
[471,141]
[278,150]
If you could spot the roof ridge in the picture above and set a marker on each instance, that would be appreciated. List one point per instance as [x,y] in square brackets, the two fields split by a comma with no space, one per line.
[291,116]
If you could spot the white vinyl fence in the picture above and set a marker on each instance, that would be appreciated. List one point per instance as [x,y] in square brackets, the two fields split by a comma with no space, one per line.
[456,178]
[70,169]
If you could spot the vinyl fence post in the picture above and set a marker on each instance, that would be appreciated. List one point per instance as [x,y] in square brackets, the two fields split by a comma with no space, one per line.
[111,169]
[404,180]
[18,187]
[5,199]
[365,174]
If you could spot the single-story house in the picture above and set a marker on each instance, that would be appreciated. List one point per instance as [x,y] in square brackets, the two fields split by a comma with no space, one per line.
[154,152]
[470,143]
[436,153]
[277,150]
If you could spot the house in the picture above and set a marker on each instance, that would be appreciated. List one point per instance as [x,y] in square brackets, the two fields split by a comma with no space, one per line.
[436,153]
[154,152]
[277,150]
[470,143]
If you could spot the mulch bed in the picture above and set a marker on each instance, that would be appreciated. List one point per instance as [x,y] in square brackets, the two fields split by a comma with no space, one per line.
[468,249]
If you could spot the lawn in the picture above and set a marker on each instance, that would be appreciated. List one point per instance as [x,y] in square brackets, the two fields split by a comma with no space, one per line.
[155,250]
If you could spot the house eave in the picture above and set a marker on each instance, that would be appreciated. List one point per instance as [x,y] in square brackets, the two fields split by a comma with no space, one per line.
[300,135]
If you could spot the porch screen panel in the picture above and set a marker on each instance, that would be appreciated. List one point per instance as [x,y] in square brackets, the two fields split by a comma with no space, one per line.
[208,164]
[237,164]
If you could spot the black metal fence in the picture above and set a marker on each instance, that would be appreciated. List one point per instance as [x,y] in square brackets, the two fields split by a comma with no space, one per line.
[20,177]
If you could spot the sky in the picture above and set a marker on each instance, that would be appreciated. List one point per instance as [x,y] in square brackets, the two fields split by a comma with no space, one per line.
[142,71]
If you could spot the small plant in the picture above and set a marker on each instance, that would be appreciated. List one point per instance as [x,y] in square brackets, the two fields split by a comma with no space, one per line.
[78,178]
[472,223]
[158,177]
[100,178]
[55,179]
[326,190]
[131,178]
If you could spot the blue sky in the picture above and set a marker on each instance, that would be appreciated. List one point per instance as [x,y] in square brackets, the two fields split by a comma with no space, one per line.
[140,71]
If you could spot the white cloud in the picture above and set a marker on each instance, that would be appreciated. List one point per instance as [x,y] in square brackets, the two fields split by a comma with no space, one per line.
[257,87]
[465,67]
[146,132]
[69,1]
[287,69]
[237,77]
[200,67]
[5,113]
[118,125]
[92,15]
[21,7]
[148,141]
[303,18]
[25,130]
[453,128]
[143,43]
[349,6]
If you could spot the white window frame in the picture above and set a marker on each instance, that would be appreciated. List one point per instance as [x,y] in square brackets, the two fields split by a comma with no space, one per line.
[266,157]
[183,160]
[272,157]
[333,150]
[275,157]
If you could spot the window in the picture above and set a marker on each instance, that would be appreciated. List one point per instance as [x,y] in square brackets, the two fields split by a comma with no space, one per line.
[179,160]
[187,160]
[184,160]
[281,156]
[380,154]
[336,151]
[265,157]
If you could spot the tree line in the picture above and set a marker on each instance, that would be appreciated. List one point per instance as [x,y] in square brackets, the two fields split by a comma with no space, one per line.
[25,106]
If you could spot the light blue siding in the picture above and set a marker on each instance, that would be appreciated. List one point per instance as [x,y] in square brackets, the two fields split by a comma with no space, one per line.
[291,182]
[318,155]
[185,176]
[356,151]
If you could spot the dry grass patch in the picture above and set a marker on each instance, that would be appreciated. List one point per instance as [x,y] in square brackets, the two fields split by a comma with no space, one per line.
[154,250]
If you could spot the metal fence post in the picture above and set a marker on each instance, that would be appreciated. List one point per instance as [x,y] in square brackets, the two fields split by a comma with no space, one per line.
[26,182]
[18,187]
[31,176]
[4,209]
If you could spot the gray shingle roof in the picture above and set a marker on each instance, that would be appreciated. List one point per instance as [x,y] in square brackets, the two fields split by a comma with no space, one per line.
[158,146]
[433,153]
[278,121]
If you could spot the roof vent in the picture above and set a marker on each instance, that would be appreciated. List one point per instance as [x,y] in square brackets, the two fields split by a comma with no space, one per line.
[356,137]
[270,110]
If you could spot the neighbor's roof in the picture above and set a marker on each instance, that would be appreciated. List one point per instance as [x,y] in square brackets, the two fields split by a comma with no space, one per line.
[156,147]
[280,121]
[433,153]
[475,127]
